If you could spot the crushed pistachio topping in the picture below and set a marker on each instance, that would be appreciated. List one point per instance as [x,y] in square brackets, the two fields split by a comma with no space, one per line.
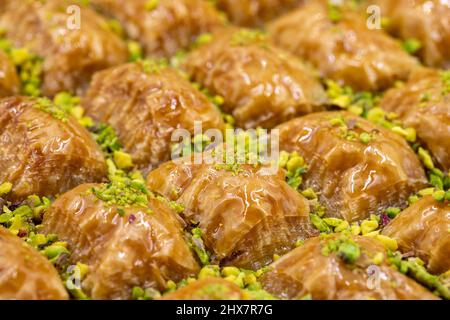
[334,12]
[203,39]
[125,188]
[25,221]
[28,65]
[392,212]
[122,191]
[309,194]
[319,224]
[49,107]
[438,194]
[414,267]
[218,101]
[84,3]
[344,247]
[425,157]
[370,227]
[365,137]
[151,5]
[295,167]
[389,243]
[436,177]
[122,194]
[412,45]
[115,26]
[71,105]
[74,273]
[138,293]
[247,36]
[135,51]
[348,130]
[344,98]
[5,188]
[214,290]
[425,97]
[198,246]
[246,149]
[123,160]
[365,104]
[175,206]
[153,66]
[378,258]
[246,280]
[106,138]
[232,167]
[388,121]
[178,59]
[445,76]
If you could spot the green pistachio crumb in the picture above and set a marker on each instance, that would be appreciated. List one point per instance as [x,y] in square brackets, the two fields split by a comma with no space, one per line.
[425,157]
[122,159]
[439,195]
[151,5]
[5,188]
[412,45]
[319,224]
[365,137]
[392,212]
[135,51]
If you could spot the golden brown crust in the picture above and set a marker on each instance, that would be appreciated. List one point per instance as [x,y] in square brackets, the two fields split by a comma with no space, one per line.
[207,289]
[261,85]
[346,51]
[25,274]
[306,270]
[423,229]
[9,80]
[43,155]
[145,108]
[423,105]
[246,216]
[137,249]
[254,13]
[353,179]
[171,26]
[425,20]
[71,53]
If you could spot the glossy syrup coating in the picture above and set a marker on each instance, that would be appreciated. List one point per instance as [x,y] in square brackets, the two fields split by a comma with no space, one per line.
[137,248]
[261,85]
[9,80]
[24,273]
[353,179]
[346,51]
[306,270]
[165,26]
[73,49]
[423,103]
[207,289]
[145,104]
[246,216]
[427,21]
[43,155]
[423,229]
[254,13]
